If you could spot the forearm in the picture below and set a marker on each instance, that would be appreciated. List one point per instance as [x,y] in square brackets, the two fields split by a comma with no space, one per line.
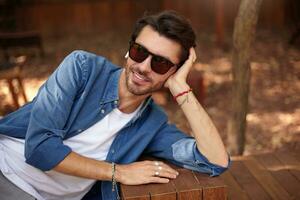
[208,140]
[77,165]
[132,174]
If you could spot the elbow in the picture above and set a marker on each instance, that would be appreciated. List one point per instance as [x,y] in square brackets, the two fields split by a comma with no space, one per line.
[224,161]
[221,167]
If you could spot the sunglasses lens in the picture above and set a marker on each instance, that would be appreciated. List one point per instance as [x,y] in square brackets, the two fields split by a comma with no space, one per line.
[160,65]
[138,53]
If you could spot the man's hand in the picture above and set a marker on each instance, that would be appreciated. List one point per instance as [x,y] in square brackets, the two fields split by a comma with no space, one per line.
[144,172]
[177,81]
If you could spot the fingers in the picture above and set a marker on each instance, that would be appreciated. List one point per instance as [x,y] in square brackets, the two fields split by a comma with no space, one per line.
[162,172]
[158,180]
[165,174]
[188,64]
[160,169]
[168,169]
[193,54]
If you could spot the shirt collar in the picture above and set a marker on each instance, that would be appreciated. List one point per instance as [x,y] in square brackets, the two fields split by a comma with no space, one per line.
[111,92]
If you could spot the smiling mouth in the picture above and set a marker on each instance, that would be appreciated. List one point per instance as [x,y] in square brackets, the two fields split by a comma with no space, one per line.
[140,79]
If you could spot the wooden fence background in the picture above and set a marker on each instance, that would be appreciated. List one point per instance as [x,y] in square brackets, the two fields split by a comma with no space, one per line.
[67,17]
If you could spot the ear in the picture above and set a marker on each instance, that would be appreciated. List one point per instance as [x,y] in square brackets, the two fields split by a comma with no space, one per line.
[126,55]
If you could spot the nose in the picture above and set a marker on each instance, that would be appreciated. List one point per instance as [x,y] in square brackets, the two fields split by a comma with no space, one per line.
[145,66]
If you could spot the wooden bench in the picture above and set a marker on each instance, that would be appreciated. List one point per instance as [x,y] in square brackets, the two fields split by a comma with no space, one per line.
[187,186]
[264,176]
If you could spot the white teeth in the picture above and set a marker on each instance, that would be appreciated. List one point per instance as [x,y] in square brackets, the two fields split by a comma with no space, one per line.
[139,77]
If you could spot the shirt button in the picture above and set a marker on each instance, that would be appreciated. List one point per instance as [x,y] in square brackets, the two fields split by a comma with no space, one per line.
[113,151]
[102,111]
[115,102]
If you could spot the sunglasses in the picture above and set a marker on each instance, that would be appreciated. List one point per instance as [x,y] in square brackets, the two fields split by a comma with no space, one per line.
[159,64]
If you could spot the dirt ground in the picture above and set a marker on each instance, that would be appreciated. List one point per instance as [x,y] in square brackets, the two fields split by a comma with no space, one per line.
[274,110]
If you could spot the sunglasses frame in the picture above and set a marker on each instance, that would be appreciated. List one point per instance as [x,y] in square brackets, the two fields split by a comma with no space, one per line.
[153,59]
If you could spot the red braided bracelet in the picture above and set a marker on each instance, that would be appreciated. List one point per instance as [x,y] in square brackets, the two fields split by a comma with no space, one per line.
[182,93]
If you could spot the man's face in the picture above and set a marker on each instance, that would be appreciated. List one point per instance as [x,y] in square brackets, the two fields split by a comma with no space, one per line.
[140,79]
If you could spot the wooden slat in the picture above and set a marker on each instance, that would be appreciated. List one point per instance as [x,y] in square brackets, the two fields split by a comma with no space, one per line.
[296,153]
[187,186]
[290,183]
[234,189]
[246,180]
[149,191]
[134,192]
[264,177]
[162,191]
[212,187]
[13,92]
[21,88]
[290,163]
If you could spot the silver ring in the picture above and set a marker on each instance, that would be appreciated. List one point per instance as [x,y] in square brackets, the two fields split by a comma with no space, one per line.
[156,173]
[156,163]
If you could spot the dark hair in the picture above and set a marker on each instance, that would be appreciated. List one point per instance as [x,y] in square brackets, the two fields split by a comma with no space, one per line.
[171,25]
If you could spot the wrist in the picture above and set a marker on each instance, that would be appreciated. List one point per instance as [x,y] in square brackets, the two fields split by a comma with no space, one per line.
[118,173]
[183,93]
[177,87]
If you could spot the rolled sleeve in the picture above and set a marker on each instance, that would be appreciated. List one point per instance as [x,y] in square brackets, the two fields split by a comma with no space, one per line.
[48,154]
[180,149]
[186,153]
[44,146]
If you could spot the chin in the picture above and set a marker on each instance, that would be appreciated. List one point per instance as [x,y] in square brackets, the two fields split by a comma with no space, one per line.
[136,90]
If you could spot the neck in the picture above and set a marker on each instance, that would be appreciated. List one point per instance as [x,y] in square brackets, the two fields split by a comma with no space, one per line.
[128,102]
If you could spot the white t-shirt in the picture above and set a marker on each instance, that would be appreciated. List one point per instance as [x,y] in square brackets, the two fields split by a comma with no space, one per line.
[93,143]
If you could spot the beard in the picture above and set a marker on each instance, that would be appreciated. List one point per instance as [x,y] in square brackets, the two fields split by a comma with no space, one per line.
[141,89]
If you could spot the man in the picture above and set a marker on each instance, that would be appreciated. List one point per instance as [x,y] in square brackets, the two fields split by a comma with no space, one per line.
[92,120]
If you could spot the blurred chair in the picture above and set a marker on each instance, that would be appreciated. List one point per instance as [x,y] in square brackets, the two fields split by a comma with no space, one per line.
[10,71]
[21,39]
[14,46]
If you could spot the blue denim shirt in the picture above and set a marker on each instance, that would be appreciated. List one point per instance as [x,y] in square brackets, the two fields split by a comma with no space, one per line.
[82,91]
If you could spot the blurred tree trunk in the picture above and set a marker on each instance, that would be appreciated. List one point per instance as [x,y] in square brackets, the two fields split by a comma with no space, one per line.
[244,32]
